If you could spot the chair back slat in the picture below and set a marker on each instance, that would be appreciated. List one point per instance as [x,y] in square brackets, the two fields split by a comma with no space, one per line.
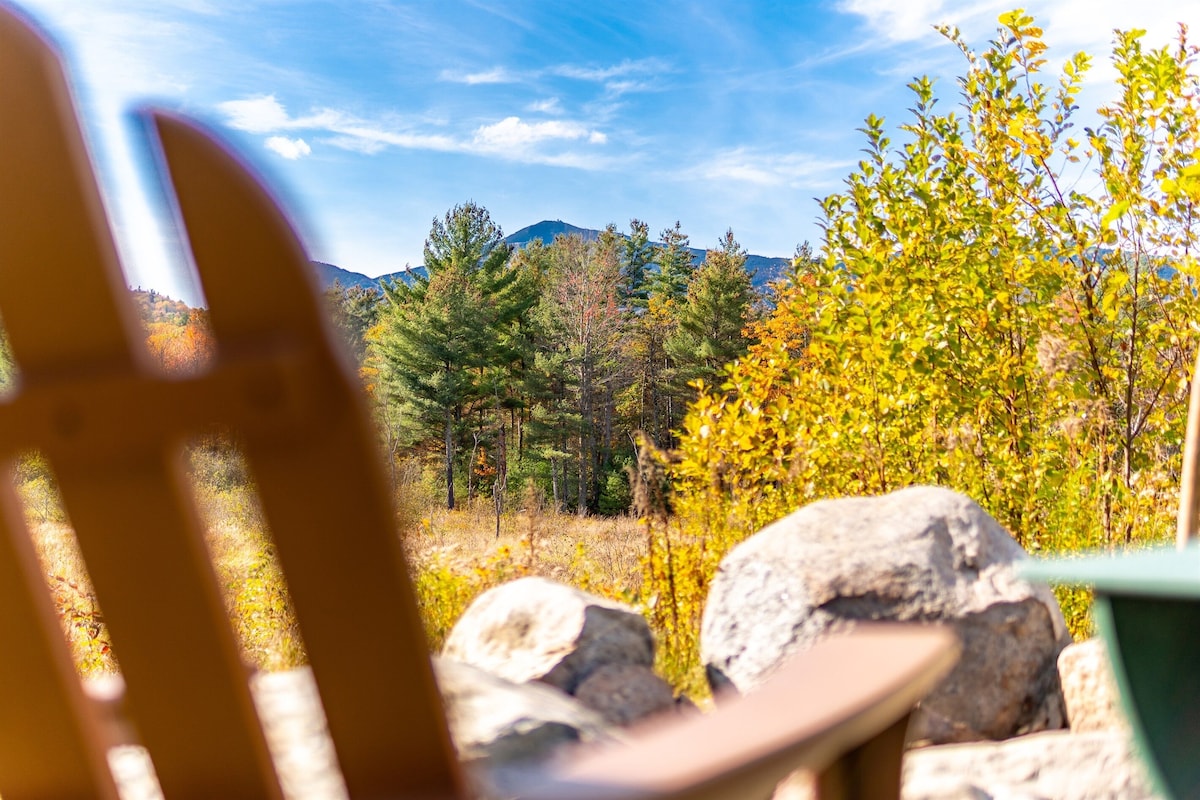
[187,689]
[53,218]
[50,739]
[324,492]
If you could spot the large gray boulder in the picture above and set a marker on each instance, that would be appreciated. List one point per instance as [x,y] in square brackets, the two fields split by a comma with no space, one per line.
[922,554]
[533,629]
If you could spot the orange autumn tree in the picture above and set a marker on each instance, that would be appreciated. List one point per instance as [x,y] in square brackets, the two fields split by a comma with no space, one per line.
[181,346]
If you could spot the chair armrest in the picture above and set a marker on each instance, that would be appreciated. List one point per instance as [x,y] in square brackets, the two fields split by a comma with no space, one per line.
[822,704]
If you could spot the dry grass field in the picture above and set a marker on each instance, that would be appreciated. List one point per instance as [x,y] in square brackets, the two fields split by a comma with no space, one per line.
[599,553]
[454,557]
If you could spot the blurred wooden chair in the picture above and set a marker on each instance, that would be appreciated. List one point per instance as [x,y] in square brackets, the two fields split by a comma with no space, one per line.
[113,429]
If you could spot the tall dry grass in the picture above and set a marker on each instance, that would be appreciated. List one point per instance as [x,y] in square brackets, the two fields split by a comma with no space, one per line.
[453,556]
[457,555]
[241,551]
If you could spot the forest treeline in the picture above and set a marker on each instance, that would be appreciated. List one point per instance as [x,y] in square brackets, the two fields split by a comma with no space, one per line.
[538,367]
[501,369]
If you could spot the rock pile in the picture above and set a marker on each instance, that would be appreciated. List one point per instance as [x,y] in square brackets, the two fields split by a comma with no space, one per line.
[534,666]
[919,555]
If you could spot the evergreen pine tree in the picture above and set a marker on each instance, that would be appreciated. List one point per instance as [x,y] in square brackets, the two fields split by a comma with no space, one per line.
[638,254]
[448,338]
[675,264]
[712,321]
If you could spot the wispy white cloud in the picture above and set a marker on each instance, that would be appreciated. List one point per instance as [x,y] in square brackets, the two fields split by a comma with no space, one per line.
[617,88]
[551,105]
[512,16]
[616,78]
[762,169]
[514,139]
[291,149]
[513,132]
[904,22]
[354,144]
[511,138]
[494,75]
[255,114]
[265,114]
[642,66]
[369,138]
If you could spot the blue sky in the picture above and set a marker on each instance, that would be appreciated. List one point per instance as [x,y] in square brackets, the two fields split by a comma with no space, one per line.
[372,117]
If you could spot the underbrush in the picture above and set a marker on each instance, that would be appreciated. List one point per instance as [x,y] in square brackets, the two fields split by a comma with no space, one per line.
[250,577]
[456,555]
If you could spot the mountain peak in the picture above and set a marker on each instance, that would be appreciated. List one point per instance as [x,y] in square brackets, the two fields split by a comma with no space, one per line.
[546,230]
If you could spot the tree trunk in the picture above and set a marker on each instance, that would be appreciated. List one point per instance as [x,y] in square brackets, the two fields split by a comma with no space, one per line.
[500,487]
[449,459]
[554,483]
[471,470]
[585,433]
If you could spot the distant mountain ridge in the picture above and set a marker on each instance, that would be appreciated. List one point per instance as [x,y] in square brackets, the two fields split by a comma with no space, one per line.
[763,268]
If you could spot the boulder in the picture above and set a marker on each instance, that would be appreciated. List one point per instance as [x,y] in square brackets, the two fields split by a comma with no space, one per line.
[1052,765]
[533,629]
[1089,688]
[922,554]
[625,693]
[495,722]
[297,734]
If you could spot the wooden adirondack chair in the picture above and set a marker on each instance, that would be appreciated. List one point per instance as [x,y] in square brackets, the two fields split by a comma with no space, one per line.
[113,428]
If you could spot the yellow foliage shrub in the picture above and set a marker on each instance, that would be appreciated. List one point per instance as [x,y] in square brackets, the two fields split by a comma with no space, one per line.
[970,323]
